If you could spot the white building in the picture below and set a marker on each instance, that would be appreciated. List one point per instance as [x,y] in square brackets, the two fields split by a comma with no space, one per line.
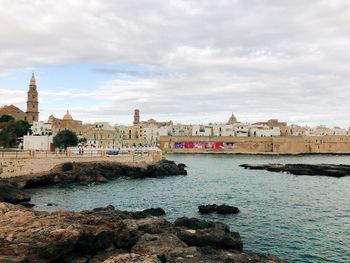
[41,128]
[180,130]
[264,131]
[39,143]
[241,129]
[223,130]
[202,130]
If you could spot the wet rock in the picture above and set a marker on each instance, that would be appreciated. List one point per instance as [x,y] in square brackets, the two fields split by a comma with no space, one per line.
[216,238]
[227,209]
[154,211]
[332,170]
[219,209]
[101,179]
[90,172]
[207,209]
[27,204]
[11,194]
[195,223]
[109,235]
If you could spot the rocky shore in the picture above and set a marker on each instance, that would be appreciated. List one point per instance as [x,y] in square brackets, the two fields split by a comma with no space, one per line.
[95,172]
[332,170]
[109,235]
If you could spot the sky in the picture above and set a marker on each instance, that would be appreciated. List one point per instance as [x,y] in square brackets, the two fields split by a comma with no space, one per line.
[190,61]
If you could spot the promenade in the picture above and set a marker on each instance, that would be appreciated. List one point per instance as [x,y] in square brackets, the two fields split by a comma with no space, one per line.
[18,163]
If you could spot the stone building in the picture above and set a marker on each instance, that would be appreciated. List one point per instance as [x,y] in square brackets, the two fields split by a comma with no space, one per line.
[32,113]
[66,123]
[102,135]
[142,133]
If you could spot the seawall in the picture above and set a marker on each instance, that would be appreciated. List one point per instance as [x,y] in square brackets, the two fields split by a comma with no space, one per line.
[20,166]
[256,145]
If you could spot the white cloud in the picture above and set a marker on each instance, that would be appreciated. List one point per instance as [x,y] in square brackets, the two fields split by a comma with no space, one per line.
[258,58]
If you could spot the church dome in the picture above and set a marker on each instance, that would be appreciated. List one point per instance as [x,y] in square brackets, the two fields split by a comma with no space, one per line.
[67,116]
[232,120]
[51,119]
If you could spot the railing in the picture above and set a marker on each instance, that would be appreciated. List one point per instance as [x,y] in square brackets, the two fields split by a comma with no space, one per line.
[136,154]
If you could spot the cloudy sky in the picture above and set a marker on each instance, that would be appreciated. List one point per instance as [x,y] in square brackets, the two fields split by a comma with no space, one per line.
[192,61]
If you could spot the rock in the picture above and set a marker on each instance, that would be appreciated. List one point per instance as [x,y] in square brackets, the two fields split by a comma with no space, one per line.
[332,170]
[227,209]
[11,194]
[213,237]
[219,209]
[194,223]
[101,179]
[27,204]
[133,258]
[107,234]
[154,211]
[207,209]
[91,172]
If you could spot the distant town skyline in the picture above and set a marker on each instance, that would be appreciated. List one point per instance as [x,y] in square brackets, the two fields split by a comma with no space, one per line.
[186,61]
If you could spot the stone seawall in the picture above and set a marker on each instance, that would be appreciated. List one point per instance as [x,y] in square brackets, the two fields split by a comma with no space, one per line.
[12,167]
[332,144]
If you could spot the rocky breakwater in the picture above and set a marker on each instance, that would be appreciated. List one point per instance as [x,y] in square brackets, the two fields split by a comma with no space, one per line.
[96,172]
[332,170]
[109,235]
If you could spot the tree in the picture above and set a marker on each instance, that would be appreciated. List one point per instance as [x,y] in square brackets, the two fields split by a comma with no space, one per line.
[11,131]
[65,139]
[6,118]
[19,128]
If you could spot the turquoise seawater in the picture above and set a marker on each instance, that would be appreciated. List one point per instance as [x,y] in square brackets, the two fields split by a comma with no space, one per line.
[299,218]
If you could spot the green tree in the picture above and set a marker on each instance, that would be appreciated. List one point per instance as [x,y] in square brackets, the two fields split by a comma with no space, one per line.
[19,128]
[11,131]
[6,118]
[65,139]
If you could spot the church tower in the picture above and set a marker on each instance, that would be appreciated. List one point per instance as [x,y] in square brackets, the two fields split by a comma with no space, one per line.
[136,116]
[32,102]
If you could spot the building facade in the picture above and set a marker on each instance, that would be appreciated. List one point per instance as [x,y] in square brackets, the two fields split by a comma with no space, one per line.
[32,113]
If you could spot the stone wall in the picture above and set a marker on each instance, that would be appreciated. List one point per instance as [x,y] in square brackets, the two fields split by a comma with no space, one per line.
[10,167]
[263,145]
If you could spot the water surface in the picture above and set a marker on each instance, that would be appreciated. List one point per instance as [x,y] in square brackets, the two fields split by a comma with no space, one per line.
[299,218]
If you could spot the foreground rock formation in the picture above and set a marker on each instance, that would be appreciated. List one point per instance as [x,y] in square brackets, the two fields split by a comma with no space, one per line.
[11,194]
[109,235]
[332,170]
[95,172]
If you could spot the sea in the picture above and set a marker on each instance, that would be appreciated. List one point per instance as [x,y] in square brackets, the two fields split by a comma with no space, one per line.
[298,218]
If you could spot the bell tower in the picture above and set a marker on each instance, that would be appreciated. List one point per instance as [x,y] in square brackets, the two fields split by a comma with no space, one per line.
[32,101]
[136,116]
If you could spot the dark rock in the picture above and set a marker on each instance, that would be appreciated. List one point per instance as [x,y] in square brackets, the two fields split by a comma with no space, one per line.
[213,237]
[226,209]
[220,209]
[332,170]
[11,194]
[154,211]
[90,172]
[27,204]
[207,209]
[110,235]
[67,167]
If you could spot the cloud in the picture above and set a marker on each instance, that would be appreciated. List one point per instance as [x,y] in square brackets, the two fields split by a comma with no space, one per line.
[191,60]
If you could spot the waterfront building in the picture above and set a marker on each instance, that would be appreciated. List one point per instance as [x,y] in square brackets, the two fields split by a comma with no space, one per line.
[41,128]
[102,135]
[202,130]
[272,123]
[66,123]
[38,143]
[32,113]
[264,131]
